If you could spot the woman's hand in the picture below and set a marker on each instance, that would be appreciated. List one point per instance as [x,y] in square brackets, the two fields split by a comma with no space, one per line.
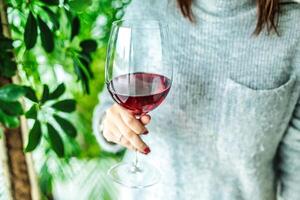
[120,126]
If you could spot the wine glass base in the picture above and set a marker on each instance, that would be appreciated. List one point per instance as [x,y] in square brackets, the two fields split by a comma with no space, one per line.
[128,175]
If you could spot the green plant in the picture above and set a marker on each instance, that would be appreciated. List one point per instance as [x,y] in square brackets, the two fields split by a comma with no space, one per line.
[55,46]
[46,115]
[10,107]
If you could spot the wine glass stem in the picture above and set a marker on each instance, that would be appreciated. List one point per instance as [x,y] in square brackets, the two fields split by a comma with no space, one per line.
[136,159]
[135,167]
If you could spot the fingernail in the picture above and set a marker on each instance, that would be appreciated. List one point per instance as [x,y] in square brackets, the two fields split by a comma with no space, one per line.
[147,150]
[146,132]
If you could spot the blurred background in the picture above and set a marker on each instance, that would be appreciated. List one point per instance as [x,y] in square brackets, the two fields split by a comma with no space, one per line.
[61,46]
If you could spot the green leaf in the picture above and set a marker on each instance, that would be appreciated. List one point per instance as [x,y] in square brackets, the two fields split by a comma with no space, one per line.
[77,70]
[45,95]
[30,94]
[88,45]
[85,59]
[9,121]
[77,61]
[82,74]
[75,27]
[53,17]
[30,67]
[30,34]
[13,108]
[67,105]
[51,2]
[5,53]
[7,66]
[69,15]
[46,36]
[79,5]
[55,141]
[32,112]
[11,92]
[6,44]
[35,136]
[58,91]
[45,180]
[66,126]
[85,56]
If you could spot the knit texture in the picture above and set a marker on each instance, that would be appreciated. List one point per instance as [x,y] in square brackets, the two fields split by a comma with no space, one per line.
[230,127]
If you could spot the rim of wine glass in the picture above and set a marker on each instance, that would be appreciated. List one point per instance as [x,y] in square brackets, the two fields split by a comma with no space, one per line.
[142,25]
[155,22]
[119,23]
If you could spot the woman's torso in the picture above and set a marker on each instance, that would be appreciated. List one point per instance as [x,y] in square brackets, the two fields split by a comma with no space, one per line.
[217,133]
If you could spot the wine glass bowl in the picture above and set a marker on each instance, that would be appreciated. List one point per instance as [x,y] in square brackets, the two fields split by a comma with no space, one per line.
[139,92]
[138,77]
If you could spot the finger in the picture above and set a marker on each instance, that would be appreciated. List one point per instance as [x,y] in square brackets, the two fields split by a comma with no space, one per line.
[111,133]
[145,119]
[133,123]
[130,135]
[126,143]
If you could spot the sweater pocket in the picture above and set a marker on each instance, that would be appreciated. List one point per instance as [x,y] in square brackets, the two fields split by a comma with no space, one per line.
[253,121]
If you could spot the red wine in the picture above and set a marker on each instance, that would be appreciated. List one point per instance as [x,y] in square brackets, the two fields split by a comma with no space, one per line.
[139,92]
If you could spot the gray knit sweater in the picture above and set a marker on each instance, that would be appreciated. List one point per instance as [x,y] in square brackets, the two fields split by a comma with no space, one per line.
[230,127]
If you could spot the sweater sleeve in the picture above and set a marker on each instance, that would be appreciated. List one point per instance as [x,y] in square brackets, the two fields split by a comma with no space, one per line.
[289,151]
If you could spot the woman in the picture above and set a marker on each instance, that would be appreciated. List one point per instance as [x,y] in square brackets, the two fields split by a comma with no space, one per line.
[230,127]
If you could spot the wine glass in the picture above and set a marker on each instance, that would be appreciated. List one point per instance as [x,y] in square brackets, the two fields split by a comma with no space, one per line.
[138,76]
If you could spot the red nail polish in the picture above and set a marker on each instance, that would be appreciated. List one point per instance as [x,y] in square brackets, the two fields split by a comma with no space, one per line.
[147,150]
[146,132]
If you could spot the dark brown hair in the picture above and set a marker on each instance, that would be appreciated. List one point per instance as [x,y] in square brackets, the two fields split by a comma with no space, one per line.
[267,14]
